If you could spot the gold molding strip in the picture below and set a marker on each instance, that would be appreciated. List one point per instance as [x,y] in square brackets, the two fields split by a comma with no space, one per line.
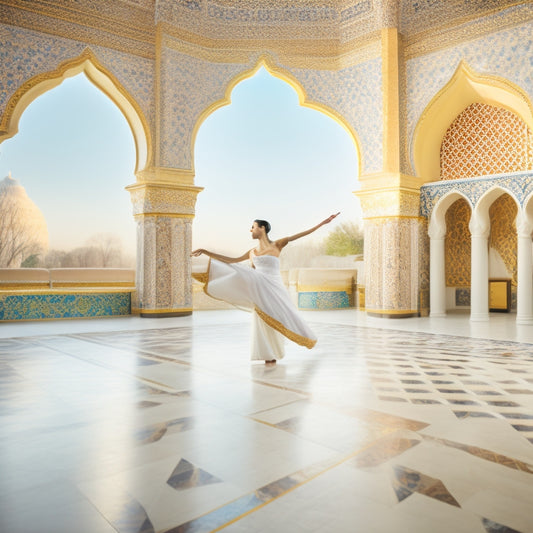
[92,29]
[167,215]
[138,310]
[392,311]
[23,287]
[455,32]
[163,185]
[331,56]
[84,284]
[395,217]
[73,290]
[55,319]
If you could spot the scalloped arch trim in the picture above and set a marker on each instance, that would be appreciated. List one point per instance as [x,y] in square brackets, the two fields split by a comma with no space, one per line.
[287,77]
[99,76]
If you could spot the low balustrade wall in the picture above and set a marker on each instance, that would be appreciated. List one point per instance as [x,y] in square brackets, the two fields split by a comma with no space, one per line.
[58,293]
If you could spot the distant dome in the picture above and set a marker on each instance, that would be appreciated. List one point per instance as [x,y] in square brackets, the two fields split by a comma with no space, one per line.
[22,223]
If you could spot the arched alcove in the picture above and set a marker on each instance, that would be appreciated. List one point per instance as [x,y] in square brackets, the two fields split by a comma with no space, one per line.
[503,238]
[99,76]
[465,88]
[458,250]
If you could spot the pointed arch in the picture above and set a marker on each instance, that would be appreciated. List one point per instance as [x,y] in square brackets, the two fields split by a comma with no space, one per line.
[464,88]
[437,220]
[101,78]
[489,197]
[284,75]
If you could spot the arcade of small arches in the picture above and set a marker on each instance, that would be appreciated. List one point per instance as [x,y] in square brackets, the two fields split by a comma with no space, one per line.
[482,238]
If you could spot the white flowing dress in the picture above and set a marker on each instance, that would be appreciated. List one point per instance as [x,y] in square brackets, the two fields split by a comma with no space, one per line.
[261,291]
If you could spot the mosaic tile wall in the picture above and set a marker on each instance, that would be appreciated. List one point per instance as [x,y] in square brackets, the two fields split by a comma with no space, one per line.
[37,53]
[485,140]
[506,54]
[270,19]
[422,15]
[188,87]
[458,245]
[355,94]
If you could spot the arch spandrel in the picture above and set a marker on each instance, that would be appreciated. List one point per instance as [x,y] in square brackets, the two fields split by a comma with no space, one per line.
[102,78]
[291,80]
[464,88]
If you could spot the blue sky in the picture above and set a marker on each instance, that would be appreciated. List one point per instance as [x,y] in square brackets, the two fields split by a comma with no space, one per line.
[263,156]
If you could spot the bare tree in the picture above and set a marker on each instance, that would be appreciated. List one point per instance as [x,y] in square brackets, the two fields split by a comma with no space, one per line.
[19,235]
[109,248]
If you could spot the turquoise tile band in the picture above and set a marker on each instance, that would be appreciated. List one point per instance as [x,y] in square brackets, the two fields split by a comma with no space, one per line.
[73,305]
[323,300]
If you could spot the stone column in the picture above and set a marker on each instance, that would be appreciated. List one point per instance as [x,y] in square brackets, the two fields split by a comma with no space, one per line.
[437,270]
[163,206]
[524,311]
[394,249]
[479,294]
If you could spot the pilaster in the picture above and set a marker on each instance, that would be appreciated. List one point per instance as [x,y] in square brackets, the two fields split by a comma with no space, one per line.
[396,246]
[163,206]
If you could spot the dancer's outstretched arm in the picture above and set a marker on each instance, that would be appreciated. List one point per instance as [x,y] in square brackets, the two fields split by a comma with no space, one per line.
[219,257]
[281,243]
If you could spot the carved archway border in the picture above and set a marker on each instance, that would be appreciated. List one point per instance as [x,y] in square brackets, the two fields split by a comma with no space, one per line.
[464,88]
[269,64]
[102,78]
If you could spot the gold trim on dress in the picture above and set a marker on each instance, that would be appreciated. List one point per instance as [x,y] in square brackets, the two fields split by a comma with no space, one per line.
[272,322]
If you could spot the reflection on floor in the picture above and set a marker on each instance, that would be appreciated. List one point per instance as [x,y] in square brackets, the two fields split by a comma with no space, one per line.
[172,429]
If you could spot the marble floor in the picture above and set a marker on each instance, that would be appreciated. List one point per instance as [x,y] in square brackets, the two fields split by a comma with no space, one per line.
[164,425]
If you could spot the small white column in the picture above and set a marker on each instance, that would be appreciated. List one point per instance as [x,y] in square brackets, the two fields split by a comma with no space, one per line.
[479,288]
[524,304]
[437,270]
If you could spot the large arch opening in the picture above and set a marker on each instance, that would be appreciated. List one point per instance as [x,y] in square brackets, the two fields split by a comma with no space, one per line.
[271,156]
[74,155]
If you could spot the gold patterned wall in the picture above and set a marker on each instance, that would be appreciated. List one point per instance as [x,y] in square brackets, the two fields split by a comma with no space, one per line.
[503,236]
[458,245]
[485,140]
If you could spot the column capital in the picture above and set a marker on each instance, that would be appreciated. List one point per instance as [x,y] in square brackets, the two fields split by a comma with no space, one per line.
[524,226]
[161,175]
[436,230]
[163,199]
[479,226]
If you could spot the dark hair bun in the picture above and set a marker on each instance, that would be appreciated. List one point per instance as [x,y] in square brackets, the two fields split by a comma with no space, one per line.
[263,224]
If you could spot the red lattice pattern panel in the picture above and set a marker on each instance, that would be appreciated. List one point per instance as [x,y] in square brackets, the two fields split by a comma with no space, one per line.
[485,140]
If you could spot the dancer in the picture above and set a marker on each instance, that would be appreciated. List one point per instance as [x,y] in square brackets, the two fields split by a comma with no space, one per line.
[261,289]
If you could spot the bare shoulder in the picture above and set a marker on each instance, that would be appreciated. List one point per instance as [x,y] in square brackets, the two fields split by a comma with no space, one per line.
[281,243]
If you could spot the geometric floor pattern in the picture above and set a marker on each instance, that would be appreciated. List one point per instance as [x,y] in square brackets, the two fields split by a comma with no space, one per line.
[175,430]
